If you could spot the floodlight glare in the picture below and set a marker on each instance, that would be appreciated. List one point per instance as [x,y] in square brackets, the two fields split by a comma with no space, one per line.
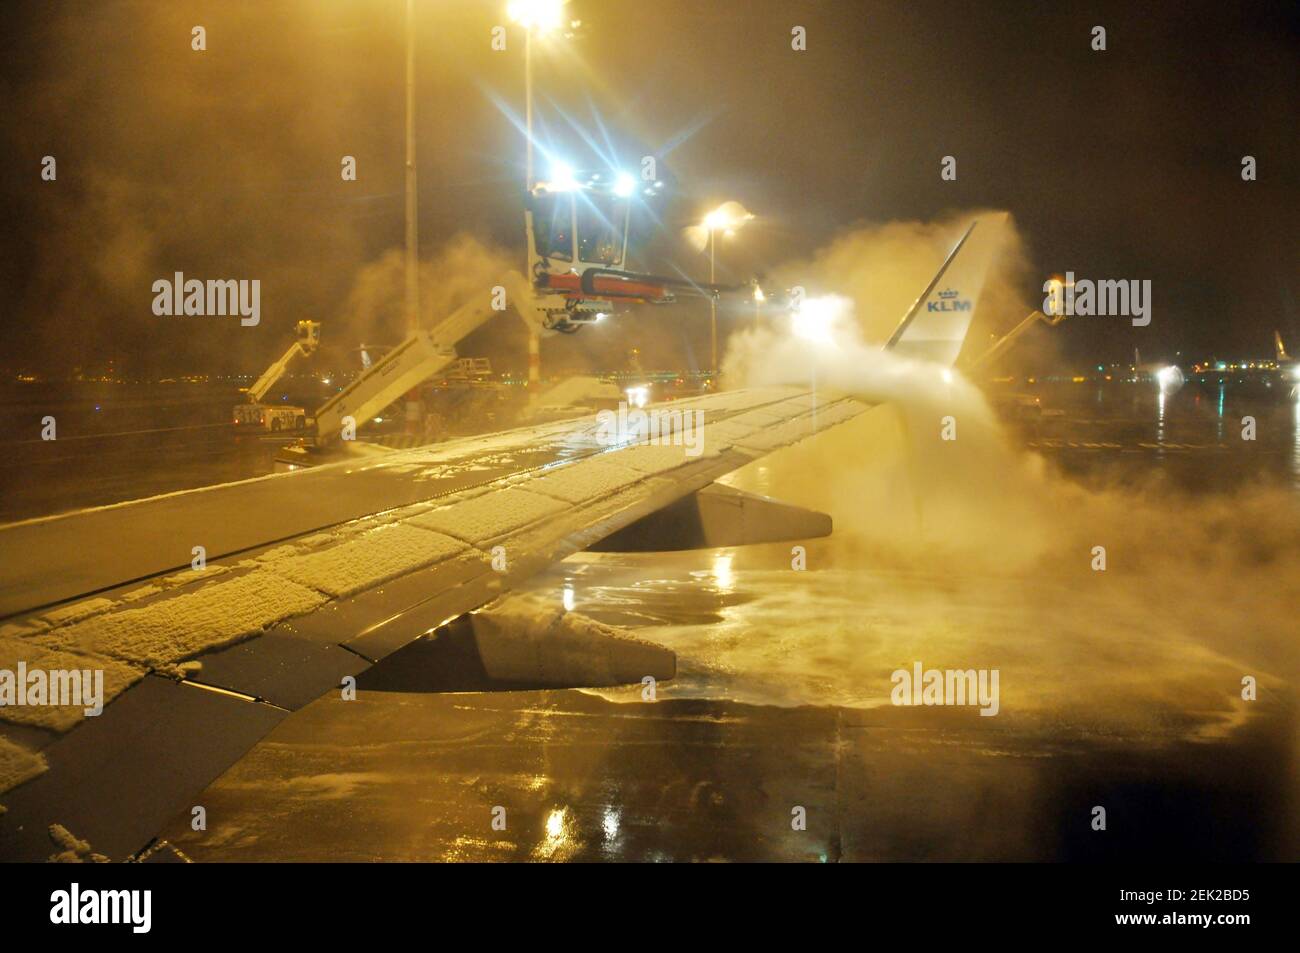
[538,15]
[562,179]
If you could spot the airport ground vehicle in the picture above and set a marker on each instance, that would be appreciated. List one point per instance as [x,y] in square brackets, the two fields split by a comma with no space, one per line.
[418,358]
[578,228]
[277,417]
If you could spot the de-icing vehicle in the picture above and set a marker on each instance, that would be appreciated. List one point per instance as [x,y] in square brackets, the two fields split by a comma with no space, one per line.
[578,227]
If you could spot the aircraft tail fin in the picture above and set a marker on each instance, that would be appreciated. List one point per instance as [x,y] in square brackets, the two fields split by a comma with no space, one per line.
[934,328]
[1279,347]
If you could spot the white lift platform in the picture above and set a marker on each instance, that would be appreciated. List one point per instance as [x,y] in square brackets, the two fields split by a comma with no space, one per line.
[276,417]
[418,358]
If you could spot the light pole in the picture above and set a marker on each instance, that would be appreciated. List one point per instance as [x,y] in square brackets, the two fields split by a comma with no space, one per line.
[539,15]
[412,300]
[713,314]
[729,216]
[528,108]
[534,336]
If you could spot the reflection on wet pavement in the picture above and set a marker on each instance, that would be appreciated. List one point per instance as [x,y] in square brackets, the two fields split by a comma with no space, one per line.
[417,777]
[782,702]
[1120,689]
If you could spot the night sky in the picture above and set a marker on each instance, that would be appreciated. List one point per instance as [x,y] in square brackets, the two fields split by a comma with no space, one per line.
[225,163]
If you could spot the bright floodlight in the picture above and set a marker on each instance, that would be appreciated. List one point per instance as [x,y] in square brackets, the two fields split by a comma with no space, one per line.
[817,318]
[624,185]
[718,219]
[539,15]
[727,216]
[562,179]
[1169,378]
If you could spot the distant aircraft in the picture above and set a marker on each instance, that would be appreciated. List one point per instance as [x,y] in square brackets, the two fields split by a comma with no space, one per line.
[1287,367]
[216,613]
[1168,377]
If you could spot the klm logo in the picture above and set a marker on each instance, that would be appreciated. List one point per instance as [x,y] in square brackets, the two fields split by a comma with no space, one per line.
[949,301]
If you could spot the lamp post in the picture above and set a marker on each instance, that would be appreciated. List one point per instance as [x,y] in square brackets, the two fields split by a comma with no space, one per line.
[412,299]
[728,217]
[534,336]
[713,315]
[540,16]
[535,16]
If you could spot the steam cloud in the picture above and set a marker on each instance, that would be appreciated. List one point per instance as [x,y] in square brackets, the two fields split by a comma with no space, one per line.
[1216,571]
[463,268]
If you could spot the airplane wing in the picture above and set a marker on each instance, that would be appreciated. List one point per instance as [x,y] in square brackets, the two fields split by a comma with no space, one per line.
[309,578]
[208,616]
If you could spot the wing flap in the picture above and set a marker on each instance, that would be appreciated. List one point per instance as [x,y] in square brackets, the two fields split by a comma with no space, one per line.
[116,780]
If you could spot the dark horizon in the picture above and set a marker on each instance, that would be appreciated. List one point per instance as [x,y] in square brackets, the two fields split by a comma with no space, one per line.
[225,163]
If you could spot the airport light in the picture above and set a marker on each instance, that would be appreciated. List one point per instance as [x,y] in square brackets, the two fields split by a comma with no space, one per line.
[539,15]
[816,318]
[411,257]
[727,217]
[536,17]
[411,299]
[1169,378]
[624,185]
[562,178]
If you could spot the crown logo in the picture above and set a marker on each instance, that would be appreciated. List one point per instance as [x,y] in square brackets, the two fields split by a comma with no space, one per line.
[949,293]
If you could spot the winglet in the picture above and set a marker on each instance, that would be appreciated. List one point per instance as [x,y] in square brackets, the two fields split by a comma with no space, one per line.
[934,328]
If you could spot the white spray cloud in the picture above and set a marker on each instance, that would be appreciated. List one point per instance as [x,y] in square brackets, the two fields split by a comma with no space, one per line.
[1217,569]
[894,474]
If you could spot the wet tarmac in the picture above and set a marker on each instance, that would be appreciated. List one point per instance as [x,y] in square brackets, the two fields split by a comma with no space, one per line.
[1124,695]
[1120,690]
[418,778]
[117,442]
